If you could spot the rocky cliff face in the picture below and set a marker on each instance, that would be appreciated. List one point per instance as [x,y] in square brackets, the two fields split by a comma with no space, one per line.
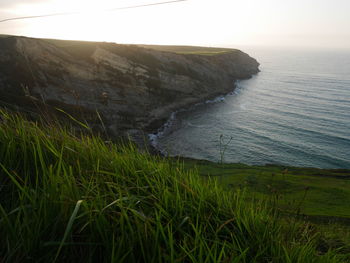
[132,87]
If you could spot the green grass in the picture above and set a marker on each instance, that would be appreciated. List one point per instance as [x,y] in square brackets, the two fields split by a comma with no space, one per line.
[86,47]
[327,191]
[69,197]
[192,50]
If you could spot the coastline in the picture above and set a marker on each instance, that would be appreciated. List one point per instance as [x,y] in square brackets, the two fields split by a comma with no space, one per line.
[153,137]
[136,90]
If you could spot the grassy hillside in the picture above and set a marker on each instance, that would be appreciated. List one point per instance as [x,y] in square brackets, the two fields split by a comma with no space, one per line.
[69,197]
[85,47]
[314,192]
[194,50]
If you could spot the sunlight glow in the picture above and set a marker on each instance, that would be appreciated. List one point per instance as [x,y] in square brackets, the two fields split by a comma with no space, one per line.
[194,22]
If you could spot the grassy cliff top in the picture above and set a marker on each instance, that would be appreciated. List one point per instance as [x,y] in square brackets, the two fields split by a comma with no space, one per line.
[321,194]
[68,197]
[194,50]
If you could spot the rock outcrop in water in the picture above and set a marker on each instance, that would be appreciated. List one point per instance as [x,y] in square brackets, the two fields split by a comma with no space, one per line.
[132,87]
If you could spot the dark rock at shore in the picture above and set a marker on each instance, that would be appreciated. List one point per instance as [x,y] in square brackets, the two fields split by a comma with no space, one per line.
[133,88]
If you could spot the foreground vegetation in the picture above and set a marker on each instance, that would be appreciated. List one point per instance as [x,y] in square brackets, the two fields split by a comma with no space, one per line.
[317,193]
[69,197]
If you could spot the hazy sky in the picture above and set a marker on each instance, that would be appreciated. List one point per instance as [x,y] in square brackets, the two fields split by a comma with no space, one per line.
[299,23]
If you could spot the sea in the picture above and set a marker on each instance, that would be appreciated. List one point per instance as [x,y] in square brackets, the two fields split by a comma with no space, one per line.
[295,112]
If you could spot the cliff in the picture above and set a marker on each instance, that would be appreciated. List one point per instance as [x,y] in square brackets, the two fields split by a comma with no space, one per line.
[132,87]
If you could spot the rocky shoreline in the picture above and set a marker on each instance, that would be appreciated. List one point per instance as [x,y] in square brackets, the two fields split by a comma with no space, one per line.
[168,125]
[122,90]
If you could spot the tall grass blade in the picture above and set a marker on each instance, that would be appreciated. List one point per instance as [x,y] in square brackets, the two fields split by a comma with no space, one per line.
[68,228]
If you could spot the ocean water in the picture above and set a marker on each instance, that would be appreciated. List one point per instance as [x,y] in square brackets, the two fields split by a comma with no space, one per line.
[296,111]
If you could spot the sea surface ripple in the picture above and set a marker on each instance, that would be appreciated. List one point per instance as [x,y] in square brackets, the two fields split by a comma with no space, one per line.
[296,111]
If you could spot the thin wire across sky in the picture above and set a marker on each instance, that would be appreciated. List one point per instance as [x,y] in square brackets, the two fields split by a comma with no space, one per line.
[78,13]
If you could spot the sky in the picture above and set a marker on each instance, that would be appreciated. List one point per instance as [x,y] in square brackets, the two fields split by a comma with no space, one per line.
[226,23]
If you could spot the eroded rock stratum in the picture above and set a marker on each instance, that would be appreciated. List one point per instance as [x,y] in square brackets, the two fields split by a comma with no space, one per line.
[131,87]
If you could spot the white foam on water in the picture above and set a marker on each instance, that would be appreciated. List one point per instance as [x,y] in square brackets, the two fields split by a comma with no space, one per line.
[168,125]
